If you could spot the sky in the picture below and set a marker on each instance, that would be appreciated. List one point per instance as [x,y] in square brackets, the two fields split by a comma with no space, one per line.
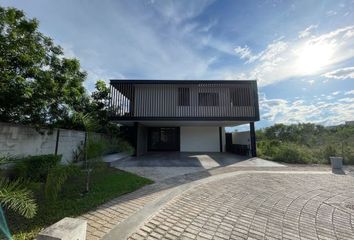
[300,52]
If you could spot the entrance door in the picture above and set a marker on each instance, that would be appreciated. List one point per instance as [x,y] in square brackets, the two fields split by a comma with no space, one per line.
[163,139]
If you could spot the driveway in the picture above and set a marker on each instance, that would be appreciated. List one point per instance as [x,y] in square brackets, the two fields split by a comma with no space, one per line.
[162,165]
[259,205]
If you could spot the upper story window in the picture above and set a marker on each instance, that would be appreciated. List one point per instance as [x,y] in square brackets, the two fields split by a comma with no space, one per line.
[183,97]
[240,97]
[208,99]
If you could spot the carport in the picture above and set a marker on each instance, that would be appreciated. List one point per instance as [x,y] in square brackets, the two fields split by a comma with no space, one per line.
[162,165]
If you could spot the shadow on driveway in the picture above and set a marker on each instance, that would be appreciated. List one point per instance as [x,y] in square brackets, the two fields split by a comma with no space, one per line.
[162,165]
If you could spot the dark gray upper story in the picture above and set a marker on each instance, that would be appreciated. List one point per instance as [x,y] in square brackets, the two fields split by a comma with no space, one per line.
[190,100]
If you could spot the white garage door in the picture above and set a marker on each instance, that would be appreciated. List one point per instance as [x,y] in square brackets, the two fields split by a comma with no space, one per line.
[200,139]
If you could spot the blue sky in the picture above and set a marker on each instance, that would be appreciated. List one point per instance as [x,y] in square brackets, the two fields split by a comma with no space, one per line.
[301,52]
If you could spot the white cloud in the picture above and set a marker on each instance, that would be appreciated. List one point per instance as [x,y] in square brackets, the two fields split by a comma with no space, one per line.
[97,73]
[311,82]
[209,26]
[342,73]
[331,13]
[179,11]
[153,43]
[244,52]
[269,54]
[297,111]
[351,92]
[335,93]
[297,58]
[307,31]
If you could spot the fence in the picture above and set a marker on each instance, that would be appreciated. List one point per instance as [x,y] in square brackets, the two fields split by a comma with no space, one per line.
[19,141]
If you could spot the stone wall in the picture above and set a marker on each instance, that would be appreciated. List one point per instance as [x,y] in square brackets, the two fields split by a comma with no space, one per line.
[19,141]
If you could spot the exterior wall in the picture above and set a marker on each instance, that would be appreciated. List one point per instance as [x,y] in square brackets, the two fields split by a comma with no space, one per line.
[243,138]
[69,140]
[161,100]
[200,139]
[19,141]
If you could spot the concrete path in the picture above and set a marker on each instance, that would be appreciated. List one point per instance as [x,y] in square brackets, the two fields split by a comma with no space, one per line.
[111,158]
[163,165]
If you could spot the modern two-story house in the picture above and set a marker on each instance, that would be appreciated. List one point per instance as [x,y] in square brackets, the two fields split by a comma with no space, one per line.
[186,116]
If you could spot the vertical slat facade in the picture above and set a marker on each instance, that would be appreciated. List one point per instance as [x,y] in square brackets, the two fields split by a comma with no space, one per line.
[129,100]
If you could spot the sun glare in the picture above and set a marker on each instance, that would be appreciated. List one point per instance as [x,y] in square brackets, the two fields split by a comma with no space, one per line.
[312,57]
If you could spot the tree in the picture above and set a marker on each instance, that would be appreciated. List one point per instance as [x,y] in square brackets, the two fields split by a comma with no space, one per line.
[100,103]
[91,150]
[38,85]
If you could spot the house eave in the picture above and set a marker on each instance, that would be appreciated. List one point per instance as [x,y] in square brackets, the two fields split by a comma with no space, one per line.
[146,81]
[120,118]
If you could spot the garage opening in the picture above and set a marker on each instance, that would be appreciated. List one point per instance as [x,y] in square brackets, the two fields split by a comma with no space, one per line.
[163,139]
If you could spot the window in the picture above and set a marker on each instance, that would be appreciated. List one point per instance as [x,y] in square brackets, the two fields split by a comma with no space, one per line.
[183,97]
[240,97]
[208,99]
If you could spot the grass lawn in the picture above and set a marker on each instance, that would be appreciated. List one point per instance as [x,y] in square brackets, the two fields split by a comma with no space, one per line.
[107,183]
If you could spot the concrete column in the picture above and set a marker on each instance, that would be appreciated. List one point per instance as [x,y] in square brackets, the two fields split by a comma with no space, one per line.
[220,139]
[253,140]
[135,132]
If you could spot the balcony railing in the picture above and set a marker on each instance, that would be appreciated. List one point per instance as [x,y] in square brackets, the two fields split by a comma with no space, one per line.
[190,100]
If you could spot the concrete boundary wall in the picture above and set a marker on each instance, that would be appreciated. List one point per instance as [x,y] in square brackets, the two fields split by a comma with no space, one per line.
[19,141]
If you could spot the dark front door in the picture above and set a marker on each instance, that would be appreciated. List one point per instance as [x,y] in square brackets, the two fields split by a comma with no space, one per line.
[163,139]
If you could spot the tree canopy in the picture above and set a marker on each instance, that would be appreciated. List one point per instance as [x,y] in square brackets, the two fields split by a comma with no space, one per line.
[38,84]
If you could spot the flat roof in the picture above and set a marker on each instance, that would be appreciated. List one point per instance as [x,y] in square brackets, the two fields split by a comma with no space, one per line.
[153,81]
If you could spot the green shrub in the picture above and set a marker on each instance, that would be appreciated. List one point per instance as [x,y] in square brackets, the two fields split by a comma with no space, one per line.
[268,149]
[124,146]
[56,178]
[95,148]
[35,168]
[348,155]
[291,153]
[329,151]
[115,145]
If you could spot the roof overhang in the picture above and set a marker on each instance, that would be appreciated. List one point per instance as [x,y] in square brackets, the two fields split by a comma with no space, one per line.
[184,123]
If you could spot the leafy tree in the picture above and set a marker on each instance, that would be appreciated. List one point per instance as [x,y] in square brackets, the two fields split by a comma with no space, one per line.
[100,103]
[38,85]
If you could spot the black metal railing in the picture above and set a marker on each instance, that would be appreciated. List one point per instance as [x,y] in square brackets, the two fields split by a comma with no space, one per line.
[184,99]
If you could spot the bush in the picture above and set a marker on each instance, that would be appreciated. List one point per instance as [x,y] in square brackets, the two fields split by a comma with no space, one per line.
[118,145]
[329,151]
[56,178]
[35,168]
[267,149]
[124,146]
[291,153]
[95,148]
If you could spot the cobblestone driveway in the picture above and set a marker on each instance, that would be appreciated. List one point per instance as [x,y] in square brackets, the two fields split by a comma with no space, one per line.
[259,206]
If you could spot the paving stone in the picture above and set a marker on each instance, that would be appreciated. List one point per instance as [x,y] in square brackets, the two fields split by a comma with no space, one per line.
[262,206]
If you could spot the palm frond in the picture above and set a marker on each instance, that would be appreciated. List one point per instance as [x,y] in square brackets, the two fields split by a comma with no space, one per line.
[87,120]
[13,195]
